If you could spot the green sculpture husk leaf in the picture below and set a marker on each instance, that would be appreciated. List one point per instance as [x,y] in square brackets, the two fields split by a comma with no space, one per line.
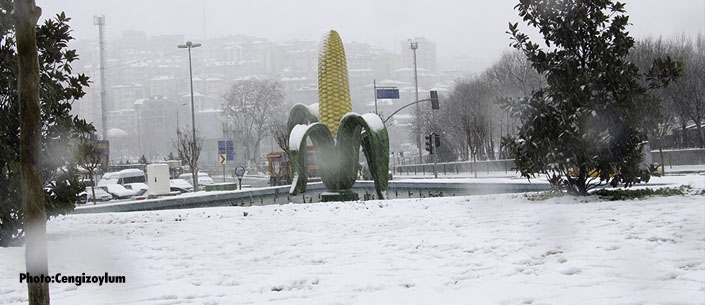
[338,159]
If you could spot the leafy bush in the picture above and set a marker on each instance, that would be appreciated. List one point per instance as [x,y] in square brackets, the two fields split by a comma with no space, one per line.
[629,194]
[60,87]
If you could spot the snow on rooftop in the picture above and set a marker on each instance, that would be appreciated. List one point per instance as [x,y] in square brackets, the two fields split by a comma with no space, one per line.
[195,94]
[162,77]
[210,110]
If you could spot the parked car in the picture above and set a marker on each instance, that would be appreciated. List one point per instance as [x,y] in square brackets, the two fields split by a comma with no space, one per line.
[141,190]
[118,191]
[124,176]
[100,195]
[180,185]
[203,179]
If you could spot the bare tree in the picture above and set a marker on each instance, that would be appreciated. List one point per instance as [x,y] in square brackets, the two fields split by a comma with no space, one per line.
[189,150]
[690,88]
[684,100]
[468,117]
[25,16]
[643,55]
[512,78]
[277,129]
[248,109]
[474,120]
[90,159]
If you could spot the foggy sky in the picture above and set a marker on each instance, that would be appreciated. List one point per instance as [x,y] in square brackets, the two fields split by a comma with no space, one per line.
[473,28]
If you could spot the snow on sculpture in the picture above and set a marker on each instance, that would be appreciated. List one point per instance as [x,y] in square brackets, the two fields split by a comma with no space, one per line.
[337,133]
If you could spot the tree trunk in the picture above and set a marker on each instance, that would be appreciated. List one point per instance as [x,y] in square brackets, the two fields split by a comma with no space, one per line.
[26,16]
[581,183]
[701,134]
[663,162]
[256,153]
[684,133]
[474,161]
[90,172]
[491,144]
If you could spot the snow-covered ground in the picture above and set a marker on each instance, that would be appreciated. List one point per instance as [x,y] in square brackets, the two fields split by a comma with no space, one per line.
[498,249]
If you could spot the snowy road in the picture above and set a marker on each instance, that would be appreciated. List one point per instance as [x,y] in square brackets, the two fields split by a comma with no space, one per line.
[499,249]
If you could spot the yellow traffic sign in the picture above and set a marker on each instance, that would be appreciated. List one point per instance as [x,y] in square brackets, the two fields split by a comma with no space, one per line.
[222,158]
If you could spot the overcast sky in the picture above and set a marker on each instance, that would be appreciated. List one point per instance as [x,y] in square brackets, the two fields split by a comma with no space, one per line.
[459,27]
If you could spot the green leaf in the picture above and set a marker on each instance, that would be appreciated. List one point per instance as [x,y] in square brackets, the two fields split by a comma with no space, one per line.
[375,145]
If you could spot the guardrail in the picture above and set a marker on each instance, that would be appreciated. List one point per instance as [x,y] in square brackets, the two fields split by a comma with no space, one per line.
[677,157]
[279,195]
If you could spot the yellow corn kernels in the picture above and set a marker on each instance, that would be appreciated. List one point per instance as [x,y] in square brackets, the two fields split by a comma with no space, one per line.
[333,85]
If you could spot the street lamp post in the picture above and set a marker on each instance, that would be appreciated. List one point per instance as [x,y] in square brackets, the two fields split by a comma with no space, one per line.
[413,47]
[178,131]
[189,45]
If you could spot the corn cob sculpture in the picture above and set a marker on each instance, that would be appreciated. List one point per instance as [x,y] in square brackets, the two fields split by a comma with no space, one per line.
[338,133]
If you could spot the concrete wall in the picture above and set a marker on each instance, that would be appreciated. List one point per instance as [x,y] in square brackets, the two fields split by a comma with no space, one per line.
[279,195]
[680,157]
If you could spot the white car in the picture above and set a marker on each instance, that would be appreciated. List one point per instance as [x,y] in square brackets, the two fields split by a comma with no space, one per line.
[141,190]
[180,185]
[124,176]
[203,178]
[100,195]
[118,191]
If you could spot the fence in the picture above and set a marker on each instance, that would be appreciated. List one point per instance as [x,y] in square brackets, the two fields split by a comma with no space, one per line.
[671,157]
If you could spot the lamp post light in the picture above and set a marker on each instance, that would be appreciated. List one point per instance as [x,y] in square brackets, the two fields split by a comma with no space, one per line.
[178,131]
[189,45]
[415,45]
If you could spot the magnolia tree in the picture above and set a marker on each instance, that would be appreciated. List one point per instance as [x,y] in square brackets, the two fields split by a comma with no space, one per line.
[59,130]
[587,125]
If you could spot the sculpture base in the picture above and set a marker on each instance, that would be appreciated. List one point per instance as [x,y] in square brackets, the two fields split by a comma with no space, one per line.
[346,195]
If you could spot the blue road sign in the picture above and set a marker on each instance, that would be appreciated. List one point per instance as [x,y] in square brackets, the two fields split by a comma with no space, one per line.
[227,148]
[388,93]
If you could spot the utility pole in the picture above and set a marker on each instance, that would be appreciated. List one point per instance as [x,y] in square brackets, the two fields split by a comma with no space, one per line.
[414,46]
[189,45]
[374,87]
[100,22]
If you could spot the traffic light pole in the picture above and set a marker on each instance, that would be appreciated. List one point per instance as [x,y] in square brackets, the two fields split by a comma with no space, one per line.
[433,142]
[403,107]
[435,138]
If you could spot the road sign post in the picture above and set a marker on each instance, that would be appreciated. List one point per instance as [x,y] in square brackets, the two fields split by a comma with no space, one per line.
[239,172]
[222,159]
[226,152]
[384,93]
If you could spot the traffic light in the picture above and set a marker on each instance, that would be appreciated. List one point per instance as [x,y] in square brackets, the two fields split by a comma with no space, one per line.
[436,140]
[429,143]
[434,100]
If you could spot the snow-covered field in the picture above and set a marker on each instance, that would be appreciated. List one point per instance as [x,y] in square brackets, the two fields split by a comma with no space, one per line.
[498,249]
